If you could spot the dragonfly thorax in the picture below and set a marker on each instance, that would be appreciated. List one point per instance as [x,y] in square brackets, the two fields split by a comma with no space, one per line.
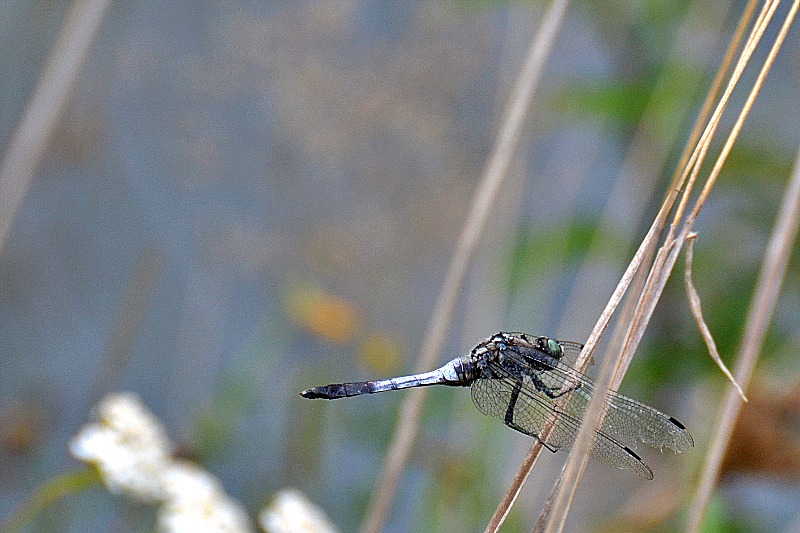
[511,350]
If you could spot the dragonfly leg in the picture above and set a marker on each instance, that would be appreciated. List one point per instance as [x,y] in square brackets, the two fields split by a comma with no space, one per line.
[550,391]
[509,418]
[512,404]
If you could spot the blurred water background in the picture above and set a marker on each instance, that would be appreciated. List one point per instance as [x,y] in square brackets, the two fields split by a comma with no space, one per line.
[244,199]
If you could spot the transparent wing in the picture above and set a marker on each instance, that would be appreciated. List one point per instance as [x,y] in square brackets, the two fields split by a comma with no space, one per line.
[625,419]
[628,420]
[533,409]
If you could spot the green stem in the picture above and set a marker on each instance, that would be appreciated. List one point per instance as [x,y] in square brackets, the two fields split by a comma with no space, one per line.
[46,494]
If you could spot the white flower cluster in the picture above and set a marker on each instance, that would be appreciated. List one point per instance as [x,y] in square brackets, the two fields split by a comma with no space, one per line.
[291,512]
[132,452]
[196,501]
[128,446]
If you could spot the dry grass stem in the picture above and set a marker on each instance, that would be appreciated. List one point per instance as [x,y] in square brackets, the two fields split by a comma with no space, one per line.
[697,312]
[525,469]
[751,97]
[719,78]
[690,159]
[573,469]
[665,261]
[698,155]
[629,309]
[667,256]
[581,363]
[647,153]
[765,297]
[40,118]
[647,249]
[662,266]
[494,172]
[133,308]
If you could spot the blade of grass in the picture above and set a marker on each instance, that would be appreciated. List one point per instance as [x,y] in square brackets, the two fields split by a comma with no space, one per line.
[496,168]
[648,152]
[701,149]
[719,78]
[629,310]
[697,312]
[581,363]
[667,256]
[40,118]
[659,274]
[48,493]
[647,250]
[765,297]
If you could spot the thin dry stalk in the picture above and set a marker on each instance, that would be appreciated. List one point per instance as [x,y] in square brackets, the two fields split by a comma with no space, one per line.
[41,116]
[133,308]
[629,310]
[648,151]
[557,505]
[660,271]
[581,363]
[722,72]
[573,469]
[697,312]
[530,459]
[494,173]
[765,297]
[701,149]
[667,256]
[525,469]
[715,172]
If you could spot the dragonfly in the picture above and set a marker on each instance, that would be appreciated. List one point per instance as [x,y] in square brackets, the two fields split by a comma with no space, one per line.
[532,385]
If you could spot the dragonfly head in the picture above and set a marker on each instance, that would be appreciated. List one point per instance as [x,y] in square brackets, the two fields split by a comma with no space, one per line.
[549,347]
[554,349]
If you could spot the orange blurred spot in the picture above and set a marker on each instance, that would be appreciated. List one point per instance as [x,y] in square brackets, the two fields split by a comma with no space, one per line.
[381,354]
[765,438]
[23,427]
[323,314]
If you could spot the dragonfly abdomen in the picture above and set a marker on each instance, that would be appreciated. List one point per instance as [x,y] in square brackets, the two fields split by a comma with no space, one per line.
[344,390]
[454,373]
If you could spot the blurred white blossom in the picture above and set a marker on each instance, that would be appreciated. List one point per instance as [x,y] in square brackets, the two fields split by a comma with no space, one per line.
[128,445]
[196,501]
[292,512]
[130,448]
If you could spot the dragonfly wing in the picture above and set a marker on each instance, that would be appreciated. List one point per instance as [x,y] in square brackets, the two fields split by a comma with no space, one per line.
[625,419]
[529,414]
[532,412]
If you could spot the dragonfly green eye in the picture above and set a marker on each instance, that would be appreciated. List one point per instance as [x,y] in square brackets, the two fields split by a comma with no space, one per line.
[554,348]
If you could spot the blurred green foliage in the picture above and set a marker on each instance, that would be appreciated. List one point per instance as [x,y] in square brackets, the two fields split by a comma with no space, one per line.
[624,102]
[718,520]
[540,249]
[215,426]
